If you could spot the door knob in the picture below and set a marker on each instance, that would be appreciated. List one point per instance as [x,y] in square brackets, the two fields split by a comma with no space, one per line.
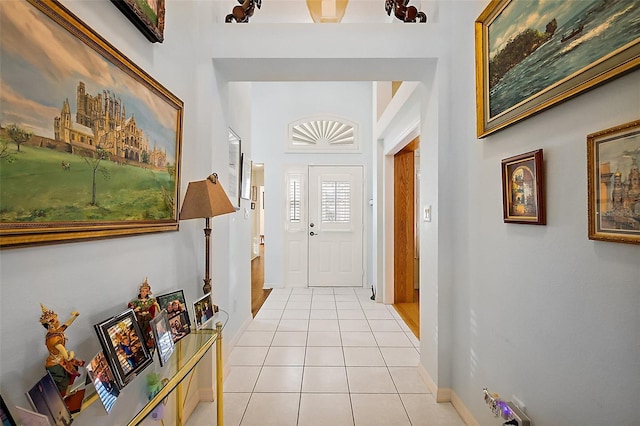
[312,233]
[311,225]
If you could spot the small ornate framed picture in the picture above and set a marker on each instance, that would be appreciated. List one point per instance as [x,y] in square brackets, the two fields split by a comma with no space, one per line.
[523,189]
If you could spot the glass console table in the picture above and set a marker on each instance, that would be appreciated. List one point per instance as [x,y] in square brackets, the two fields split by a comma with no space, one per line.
[188,352]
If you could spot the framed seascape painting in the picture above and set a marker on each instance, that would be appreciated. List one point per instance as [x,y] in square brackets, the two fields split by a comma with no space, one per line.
[613,159]
[523,189]
[90,144]
[123,345]
[146,15]
[531,55]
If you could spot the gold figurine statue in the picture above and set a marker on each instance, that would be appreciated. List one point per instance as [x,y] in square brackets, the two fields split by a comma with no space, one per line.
[145,308]
[61,363]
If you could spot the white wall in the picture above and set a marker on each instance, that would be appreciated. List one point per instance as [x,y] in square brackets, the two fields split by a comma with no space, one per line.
[562,337]
[274,106]
[98,278]
[539,312]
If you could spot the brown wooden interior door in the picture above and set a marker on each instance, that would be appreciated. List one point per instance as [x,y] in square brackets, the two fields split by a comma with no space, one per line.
[404,224]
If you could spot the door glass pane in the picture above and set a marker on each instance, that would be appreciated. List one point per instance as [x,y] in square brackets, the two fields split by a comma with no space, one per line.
[336,197]
[294,199]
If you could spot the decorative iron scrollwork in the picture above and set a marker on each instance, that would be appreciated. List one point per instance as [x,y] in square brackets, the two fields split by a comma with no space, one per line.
[403,12]
[243,12]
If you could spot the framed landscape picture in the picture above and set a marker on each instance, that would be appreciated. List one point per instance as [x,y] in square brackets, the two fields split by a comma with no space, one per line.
[123,345]
[89,148]
[523,189]
[613,158]
[533,55]
[146,15]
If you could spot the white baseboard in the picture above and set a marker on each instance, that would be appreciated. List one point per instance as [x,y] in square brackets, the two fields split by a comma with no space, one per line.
[206,394]
[447,395]
[463,411]
[228,343]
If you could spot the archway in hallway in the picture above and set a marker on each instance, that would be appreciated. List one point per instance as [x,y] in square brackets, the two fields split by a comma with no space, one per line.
[419,115]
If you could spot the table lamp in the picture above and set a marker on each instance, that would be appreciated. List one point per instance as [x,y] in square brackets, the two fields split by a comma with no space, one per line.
[206,199]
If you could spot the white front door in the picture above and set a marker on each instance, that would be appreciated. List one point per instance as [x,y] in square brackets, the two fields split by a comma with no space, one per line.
[335,226]
[323,227]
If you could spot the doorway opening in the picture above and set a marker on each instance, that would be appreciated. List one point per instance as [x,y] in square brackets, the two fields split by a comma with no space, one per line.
[258,293]
[406,176]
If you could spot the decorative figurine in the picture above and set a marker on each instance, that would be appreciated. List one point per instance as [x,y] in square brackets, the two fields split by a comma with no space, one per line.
[145,308]
[61,363]
[403,12]
[243,12]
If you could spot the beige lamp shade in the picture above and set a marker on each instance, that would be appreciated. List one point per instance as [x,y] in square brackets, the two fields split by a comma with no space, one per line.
[327,11]
[205,198]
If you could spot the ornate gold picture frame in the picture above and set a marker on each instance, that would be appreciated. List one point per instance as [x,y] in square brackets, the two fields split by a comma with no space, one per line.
[613,158]
[533,55]
[523,194]
[146,15]
[90,144]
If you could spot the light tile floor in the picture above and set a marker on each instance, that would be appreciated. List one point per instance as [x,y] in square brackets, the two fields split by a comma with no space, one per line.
[326,357]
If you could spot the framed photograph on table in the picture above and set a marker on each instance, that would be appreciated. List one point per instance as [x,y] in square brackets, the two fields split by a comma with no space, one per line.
[177,314]
[103,381]
[523,189]
[123,345]
[203,310]
[81,172]
[235,171]
[46,400]
[531,56]
[613,159]
[5,414]
[162,336]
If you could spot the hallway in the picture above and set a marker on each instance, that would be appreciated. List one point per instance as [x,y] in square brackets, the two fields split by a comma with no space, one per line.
[326,357]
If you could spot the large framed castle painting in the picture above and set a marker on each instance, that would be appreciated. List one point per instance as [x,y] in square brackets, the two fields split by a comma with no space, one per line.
[613,161]
[531,55]
[90,144]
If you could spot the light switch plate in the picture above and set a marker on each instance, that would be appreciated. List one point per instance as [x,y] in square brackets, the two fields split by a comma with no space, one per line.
[426,215]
